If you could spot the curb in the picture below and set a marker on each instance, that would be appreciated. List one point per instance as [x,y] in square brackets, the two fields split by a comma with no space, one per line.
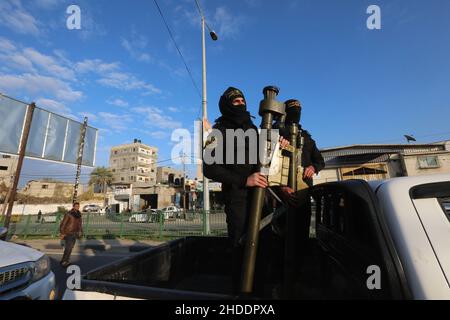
[81,248]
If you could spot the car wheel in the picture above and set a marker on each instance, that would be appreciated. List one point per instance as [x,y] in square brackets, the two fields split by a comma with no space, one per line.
[133,220]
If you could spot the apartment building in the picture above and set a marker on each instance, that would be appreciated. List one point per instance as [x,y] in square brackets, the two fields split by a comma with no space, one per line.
[134,162]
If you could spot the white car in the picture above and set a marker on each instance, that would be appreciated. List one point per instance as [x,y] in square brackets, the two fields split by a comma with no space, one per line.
[139,217]
[171,212]
[92,208]
[25,273]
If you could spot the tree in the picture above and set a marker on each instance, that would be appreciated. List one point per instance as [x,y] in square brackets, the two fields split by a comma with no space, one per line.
[103,177]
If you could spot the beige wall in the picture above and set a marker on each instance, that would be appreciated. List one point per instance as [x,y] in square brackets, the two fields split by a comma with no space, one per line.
[162,174]
[43,189]
[327,175]
[411,164]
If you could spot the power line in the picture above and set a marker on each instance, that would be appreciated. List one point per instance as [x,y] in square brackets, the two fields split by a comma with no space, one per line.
[178,49]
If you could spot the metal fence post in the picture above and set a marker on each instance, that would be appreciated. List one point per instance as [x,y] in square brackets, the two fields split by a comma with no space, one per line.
[86,230]
[27,225]
[161,224]
[56,228]
[204,231]
[121,226]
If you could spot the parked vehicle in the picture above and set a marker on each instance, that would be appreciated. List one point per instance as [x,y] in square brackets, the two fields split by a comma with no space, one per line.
[142,216]
[25,273]
[171,212]
[92,208]
[395,231]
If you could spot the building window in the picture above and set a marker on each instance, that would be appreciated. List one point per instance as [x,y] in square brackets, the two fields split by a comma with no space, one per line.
[114,161]
[122,179]
[428,162]
[132,168]
[113,170]
[2,168]
[115,152]
[45,186]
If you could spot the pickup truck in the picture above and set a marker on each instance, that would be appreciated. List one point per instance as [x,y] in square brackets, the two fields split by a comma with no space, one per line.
[24,273]
[373,240]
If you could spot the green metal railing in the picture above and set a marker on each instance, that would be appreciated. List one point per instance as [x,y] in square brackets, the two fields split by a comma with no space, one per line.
[131,225]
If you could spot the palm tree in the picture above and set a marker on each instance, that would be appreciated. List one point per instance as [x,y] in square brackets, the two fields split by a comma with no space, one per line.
[101,176]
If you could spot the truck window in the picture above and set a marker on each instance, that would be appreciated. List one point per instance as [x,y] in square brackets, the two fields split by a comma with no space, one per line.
[439,190]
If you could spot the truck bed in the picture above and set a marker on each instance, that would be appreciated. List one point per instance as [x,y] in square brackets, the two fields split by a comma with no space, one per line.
[187,268]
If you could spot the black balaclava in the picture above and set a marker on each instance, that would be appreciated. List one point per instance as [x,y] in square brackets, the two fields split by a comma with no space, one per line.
[293,112]
[235,116]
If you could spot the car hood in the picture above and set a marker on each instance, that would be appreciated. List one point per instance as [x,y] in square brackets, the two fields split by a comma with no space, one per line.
[11,254]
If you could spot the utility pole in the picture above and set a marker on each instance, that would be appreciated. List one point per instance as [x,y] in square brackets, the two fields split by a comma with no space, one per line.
[205,116]
[184,182]
[79,159]
[22,149]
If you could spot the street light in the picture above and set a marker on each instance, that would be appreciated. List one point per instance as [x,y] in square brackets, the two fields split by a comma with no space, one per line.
[214,37]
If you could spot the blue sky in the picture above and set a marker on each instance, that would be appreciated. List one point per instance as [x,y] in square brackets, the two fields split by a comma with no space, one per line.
[123,71]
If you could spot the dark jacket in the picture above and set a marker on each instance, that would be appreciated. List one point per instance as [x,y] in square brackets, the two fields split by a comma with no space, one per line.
[232,176]
[71,223]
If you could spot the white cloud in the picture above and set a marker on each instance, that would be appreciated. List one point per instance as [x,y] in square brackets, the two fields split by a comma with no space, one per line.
[97,66]
[173,109]
[125,81]
[17,61]
[227,24]
[155,117]
[134,48]
[47,4]
[48,64]
[56,107]
[37,84]
[117,122]
[16,18]
[6,45]
[118,103]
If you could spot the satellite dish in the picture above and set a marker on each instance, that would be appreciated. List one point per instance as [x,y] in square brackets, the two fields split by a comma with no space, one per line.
[409,138]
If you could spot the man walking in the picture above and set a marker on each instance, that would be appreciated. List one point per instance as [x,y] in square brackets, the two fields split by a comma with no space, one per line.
[70,229]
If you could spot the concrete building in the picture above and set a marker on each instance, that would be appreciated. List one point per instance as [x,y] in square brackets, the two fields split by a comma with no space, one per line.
[134,162]
[49,189]
[138,196]
[8,166]
[375,162]
[167,175]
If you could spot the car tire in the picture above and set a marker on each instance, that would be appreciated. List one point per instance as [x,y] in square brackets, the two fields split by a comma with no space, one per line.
[133,220]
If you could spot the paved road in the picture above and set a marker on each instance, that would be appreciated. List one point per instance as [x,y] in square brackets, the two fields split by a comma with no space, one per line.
[86,262]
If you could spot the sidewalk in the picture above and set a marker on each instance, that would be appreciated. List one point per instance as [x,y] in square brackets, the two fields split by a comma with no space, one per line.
[83,246]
